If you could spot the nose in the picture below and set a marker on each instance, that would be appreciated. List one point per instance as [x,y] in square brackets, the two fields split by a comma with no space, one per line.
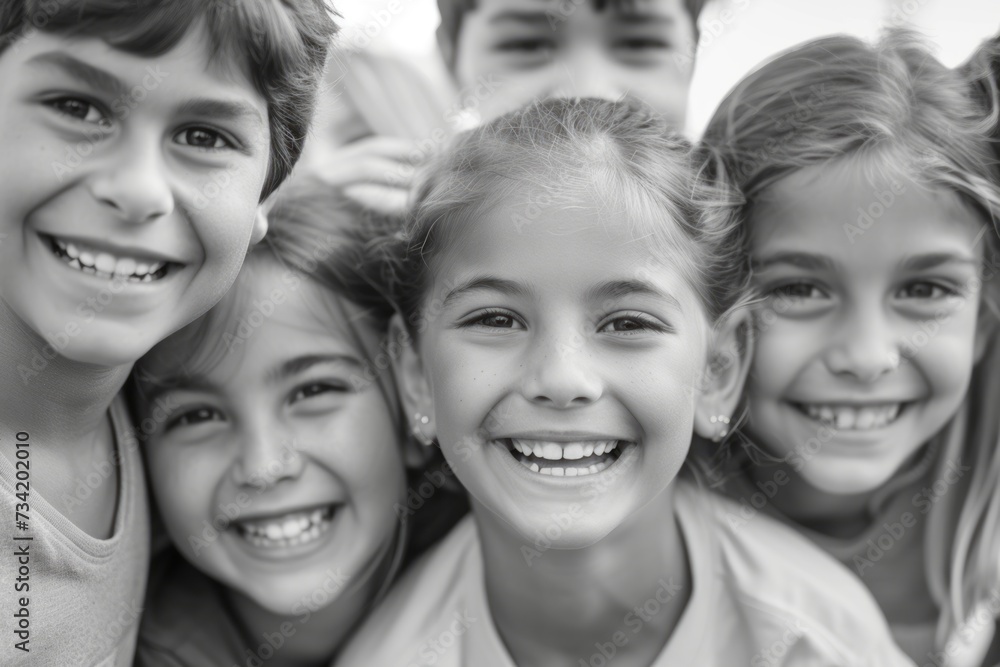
[135,183]
[585,73]
[559,375]
[266,456]
[868,346]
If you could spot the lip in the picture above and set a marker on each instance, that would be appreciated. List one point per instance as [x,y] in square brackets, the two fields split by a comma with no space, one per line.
[269,514]
[507,461]
[561,436]
[145,254]
[284,555]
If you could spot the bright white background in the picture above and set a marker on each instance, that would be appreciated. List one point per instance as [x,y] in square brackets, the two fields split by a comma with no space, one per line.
[755,30]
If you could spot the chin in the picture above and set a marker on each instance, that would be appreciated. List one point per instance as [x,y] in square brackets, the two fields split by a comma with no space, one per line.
[845,482]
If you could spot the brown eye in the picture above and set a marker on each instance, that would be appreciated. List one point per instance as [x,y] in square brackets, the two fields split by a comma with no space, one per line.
[200,137]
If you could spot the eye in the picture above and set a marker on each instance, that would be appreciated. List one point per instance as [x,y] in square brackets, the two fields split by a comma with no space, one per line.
[194,417]
[493,319]
[925,290]
[314,389]
[79,109]
[798,290]
[527,46]
[633,323]
[201,137]
[641,44]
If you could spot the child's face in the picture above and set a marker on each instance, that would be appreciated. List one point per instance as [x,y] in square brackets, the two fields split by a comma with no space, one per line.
[869,333]
[512,52]
[280,438]
[129,190]
[561,359]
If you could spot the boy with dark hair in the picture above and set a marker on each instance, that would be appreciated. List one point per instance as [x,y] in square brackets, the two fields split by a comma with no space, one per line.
[503,54]
[140,139]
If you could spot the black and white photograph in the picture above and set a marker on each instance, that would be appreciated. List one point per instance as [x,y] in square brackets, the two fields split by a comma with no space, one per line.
[500,333]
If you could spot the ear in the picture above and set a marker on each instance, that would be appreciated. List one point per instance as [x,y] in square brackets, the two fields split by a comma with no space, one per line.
[728,363]
[259,226]
[414,394]
[987,325]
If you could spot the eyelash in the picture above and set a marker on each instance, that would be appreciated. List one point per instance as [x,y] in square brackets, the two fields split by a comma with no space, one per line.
[783,290]
[184,419]
[531,46]
[945,289]
[303,392]
[646,323]
[58,104]
[479,318]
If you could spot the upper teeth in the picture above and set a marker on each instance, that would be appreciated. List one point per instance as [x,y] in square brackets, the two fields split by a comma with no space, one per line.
[289,530]
[105,263]
[555,451]
[858,419]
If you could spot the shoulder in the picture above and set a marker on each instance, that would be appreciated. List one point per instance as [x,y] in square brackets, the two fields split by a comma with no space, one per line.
[795,599]
[421,605]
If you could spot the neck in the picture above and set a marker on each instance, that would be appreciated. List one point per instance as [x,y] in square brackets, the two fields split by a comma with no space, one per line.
[569,602]
[318,633]
[54,399]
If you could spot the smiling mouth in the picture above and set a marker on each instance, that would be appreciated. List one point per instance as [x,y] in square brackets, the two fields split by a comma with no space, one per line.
[287,530]
[566,459]
[852,417]
[103,264]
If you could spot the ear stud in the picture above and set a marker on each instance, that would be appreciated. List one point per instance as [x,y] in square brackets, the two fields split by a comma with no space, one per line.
[723,421]
[418,433]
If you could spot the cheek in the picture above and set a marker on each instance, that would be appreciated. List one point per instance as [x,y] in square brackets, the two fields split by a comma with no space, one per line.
[183,484]
[945,359]
[361,447]
[781,351]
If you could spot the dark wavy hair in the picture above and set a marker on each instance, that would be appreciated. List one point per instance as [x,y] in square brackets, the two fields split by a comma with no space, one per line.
[282,44]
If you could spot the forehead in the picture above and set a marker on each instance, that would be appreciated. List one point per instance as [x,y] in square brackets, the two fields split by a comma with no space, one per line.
[192,67]
[862,216]
[560,11]
[568,247]
[269,316]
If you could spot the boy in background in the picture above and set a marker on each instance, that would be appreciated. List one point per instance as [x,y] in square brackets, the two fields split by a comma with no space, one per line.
[503,54]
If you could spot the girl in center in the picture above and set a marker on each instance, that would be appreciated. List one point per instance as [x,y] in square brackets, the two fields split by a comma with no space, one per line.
[571,286]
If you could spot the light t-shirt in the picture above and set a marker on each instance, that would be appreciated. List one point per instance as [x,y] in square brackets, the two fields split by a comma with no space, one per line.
[762,596]
[84,594]
[894,541]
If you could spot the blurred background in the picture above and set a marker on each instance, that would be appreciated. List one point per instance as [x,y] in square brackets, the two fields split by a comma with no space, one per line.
[753,30]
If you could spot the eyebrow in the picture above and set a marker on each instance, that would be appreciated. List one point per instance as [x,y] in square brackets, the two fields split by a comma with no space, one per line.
[221,109]
[94,77]
[617,289]
[486,284]
[521,17]
[170,384]
[936,259]
[802,260]
[301,364]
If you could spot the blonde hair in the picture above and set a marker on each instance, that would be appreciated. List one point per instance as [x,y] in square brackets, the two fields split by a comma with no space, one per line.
[892,106]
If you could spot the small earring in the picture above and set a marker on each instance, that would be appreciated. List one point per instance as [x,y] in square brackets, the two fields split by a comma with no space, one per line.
[418,433]
[724,430]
